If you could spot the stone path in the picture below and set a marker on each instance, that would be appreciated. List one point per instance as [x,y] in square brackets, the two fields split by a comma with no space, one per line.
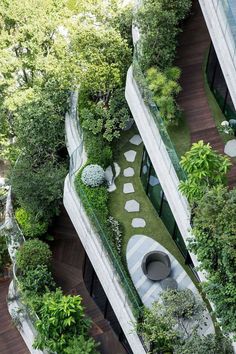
[132,206]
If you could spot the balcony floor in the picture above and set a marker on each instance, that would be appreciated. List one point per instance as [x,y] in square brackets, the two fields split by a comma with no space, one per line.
[193,44]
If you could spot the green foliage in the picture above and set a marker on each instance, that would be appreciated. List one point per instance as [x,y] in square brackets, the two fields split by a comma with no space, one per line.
[38,188]
[171,325]
[61,318]
[165,88]
[81,345]
[209,344]
[37,281]
[214,244]
[159,22]
[158,329]
[31,254]
[98,150]
[104,119]
[204,168]
[4,256]
[94,199]
[29,225]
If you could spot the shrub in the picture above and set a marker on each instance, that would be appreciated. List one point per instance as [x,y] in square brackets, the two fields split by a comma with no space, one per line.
[214,244]
[61,318]
[205,168]
[4,256]
[38,280]
[31,254]
[82,345]
[117,234]
[29,225]
[94,199]
[165,88]
[93,175]
[98,150]
[159,22]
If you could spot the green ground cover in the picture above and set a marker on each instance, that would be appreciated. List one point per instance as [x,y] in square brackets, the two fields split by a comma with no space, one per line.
[180,136]
[117,199]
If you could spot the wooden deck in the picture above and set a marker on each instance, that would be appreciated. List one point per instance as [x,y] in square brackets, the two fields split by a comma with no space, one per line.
[68,260]
[11,341]
[193,44]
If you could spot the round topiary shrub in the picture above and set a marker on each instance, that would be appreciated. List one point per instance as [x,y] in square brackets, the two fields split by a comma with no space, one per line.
[31,254]
[93,175]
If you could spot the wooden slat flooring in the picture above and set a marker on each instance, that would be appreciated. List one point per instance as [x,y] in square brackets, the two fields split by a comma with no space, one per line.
[11,341]
[193,44]
[68,260]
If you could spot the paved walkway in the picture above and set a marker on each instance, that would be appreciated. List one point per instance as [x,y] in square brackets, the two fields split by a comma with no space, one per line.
[149,291]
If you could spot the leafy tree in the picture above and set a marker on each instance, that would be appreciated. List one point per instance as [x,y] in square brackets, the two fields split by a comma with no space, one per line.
[204,168]
[214,244]
[61,318]
[165,88]
[38,188]
[171,325]
[209,344]
[37,281]
[31,254]
[158,329]
[107,120]
[159,22]
[81,345]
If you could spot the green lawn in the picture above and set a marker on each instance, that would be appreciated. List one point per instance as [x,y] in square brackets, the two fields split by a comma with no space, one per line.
[180,136]
[154,225]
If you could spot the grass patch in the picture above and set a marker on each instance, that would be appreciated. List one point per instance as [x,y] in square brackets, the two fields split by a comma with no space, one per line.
[117,199]
[180,136]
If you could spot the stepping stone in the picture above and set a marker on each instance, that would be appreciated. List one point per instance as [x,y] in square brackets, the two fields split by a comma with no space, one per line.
[138,222]
[109,175]
[128,188]
[132,206]
[153,181]
[130,155]
[129,172]
[136,140]
[230,148]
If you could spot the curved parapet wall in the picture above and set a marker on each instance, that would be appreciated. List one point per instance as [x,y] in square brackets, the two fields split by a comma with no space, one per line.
[91,240]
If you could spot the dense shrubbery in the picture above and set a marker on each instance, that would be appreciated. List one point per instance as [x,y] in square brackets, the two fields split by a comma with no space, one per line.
[94,199]
[39,190]
[4,256]
[204,168]
[214,244]
[98,150]
[106,117]
[159,22]
[172,324]
[165,88]
[31,254]
[29,225]
[37,280]
[81,345]
[61,319]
